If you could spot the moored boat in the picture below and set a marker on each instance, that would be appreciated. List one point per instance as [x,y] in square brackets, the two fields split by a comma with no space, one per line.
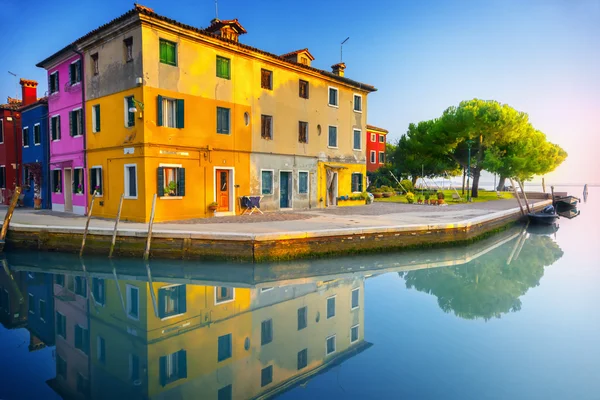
[566,201]
[547,216]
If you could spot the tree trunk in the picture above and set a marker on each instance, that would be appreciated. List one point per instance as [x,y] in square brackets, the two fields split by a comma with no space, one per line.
[415,178]
[464,178]
[475,186]
[501,184]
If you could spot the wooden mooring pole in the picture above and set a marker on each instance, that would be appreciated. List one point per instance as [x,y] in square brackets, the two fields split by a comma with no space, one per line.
[147,252]
[8,216]
[517,196]
[114,237]
[87,224]
[524,195]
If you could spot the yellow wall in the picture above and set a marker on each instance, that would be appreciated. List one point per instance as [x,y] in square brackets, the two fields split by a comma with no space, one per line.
[344,181]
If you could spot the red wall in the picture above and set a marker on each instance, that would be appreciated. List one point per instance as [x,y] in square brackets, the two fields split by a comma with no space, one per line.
[7,150]
[376,146]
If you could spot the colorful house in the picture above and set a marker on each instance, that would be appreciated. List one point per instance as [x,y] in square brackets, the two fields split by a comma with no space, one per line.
[35,149]
[195,117]
[376,140]
[66,121]
[40,320]
[10,148]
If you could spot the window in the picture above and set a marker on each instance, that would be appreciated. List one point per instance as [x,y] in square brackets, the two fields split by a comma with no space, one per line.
[224,294]
[75,72]
[266,127]
[37,134]
[381,157]
[99,290]
[82,339]
[223,120]
[170,112]
[31,304]
[96,180]
[373,156]
[171,301]
[357,103]
[304,60]
[357,182]
[224,347]
[55,127]
[225,393]
[70,283]
[128,104]
[57,180]
[128,49]
[42,310]
[81,286]
[354,334]
[78,181]
[302,132]
[355,294]
[303,89]
[130,181]
[302,318]
[266,332]
[61,367]
[302,359]
[26,137]
[333,97]
[168,52]
[381,138]
[266,376]
[332,136]
[303,182]
[96,118]
[330,345]
[53,82]
[133,302]
[82,383]
[331,307]
[101,349]
[171,181]
[60,280]
[223,67]
[3,177]
[266,79]
[76,122]
[357,137]
[1,131]
[61,325]
[266,182]
[173,367]
[373,137]
[134,367]
[94,59]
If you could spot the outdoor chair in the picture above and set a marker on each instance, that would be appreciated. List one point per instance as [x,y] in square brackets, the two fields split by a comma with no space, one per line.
[249,204]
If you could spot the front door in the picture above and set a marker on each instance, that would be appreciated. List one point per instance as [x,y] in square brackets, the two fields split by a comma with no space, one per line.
[284,189]
[223,189]
[68,189]
[332,190]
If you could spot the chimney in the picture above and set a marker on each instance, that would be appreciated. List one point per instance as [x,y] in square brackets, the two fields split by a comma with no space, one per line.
[29,91]
[338,69]
[229,29]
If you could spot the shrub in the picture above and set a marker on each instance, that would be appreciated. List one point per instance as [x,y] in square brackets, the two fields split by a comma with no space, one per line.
[427,196]
[407,185]
[410,197]
[375,190]
[440,196]
[386,189]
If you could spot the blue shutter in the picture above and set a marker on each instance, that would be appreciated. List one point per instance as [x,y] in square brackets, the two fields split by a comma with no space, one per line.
[160,180]
[182,299]
[163,370]
[182,360]
[180,113]
[181,182]
[159,118]
[161,303]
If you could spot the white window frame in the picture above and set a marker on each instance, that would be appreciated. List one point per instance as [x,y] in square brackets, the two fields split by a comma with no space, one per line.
[165,113]
[381,138]
[353,103]
[381,153]
[373,156]
[80,71]
[126,182]
[167,287]
[358,306]
[94,127]
[272,182]
[307,181]
[357,336]
[337,97]
[354,130]
[337,139]
[373,137]
[59,133]
[82,184]
[57,86]
[101,183]
[81,116]
[128,295]
[224,301]
[23,136]
[334,306]
[166,195]
[266,289]
[334,344]
[34,143]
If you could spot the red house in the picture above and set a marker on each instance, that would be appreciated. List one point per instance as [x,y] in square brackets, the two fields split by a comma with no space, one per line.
[10,147]
[376,139]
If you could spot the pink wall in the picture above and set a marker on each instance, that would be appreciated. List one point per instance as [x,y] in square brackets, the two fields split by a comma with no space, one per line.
[68,152]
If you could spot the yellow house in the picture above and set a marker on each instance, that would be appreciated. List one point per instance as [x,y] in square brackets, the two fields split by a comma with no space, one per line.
[199,119]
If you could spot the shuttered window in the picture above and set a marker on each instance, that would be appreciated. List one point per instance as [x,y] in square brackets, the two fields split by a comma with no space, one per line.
[170,112]
[266,79]
[75,72]
[223,118]
[96,118]
[82,339]
[53,83]
[266,332]
[55,127]
[223,67]
[224,347]
[303,89]
[302,132]
[129,104]
[168,52]
[333,97]
[37,134]
[357,139]
[170,181]
[171,301]
[173,367]
[302,182]
[76,122]
[302,359]
[96,180]
[25,136]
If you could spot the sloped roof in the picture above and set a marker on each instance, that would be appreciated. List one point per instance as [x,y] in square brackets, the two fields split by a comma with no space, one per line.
[305,50]
[374,128]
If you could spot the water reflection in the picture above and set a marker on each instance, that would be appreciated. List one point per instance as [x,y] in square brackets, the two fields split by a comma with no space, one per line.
[180,330]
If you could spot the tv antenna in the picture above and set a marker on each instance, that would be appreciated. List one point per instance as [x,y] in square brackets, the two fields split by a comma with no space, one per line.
[217,9]
[341,48]
[17,84]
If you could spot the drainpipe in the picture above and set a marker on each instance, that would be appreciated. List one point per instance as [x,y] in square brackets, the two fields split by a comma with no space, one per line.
[83,114]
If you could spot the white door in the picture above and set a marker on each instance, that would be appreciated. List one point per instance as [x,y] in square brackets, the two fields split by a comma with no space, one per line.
[68,189]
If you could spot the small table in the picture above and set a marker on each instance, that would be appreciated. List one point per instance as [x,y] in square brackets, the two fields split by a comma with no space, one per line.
[249,204]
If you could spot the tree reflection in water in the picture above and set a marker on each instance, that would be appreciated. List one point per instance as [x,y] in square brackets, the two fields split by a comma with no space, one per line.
[487,287]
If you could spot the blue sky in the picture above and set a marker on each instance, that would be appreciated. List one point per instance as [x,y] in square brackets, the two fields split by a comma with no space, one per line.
[539,56]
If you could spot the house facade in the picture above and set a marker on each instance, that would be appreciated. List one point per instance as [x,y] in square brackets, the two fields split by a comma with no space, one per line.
[10,148]
[35,171]
[376,140]
[66,123]
[40,319]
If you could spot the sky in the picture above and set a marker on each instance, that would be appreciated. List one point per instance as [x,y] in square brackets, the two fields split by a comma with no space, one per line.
[539,56]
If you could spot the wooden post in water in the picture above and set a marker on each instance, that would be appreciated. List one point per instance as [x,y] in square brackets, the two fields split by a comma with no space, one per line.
[8,216]
[87,224]
[114,237]
[147,252]
[517,196]
[524,195]
[543,184]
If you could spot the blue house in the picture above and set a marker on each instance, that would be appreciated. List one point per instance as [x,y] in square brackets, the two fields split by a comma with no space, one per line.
[36,153]
[40,301]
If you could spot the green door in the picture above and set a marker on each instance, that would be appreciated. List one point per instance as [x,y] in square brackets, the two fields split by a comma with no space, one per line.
[284,189]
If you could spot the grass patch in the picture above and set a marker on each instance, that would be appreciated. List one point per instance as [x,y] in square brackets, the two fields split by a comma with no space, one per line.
[484,196]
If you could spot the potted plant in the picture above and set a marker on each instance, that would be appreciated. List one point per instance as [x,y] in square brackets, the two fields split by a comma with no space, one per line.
[377,193]
[79,189]
[387,191]
[410,197]
[171,189]
[213,206]
[440,196]
[420,200]
[427,197]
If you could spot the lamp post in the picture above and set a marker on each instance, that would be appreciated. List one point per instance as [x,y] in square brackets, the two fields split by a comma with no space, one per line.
[469,144]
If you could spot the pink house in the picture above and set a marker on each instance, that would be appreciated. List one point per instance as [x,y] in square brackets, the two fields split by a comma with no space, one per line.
[66,120]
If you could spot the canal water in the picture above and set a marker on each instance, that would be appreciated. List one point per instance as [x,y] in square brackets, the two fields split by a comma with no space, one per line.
[514,316]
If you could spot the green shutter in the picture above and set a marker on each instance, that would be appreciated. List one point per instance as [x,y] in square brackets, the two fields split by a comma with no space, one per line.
[162,368]
[181,181]
[80,112]
[160,181]
[99,183]
[92,180]
[180,113]
[161,302]
[71,114]
[97,118]
[182,360]
[163,51]
[159,118]
[130,115]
